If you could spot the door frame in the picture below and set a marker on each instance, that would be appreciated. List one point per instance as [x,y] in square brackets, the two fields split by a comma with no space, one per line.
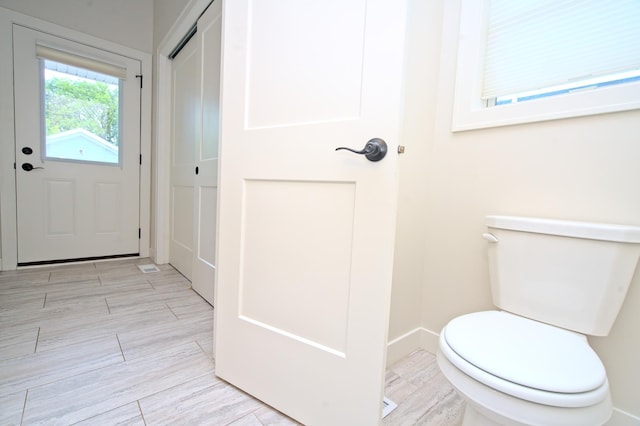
[8,205]
[162,126]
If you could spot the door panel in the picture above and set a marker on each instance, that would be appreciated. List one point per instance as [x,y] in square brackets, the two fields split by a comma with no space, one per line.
[206,181]
[186,88]
[196,103]
[107,194]
[60,211]
[69,207]
[275,79]
[306,233]
[322,215]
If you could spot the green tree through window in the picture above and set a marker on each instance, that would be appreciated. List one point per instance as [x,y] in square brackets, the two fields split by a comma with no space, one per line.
[73,103]
[81,114]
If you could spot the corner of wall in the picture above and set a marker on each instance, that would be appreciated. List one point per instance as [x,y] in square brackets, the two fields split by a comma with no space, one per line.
[622,418]
[418,338]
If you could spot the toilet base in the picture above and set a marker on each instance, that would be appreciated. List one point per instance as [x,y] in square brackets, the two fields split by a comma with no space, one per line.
[487,407]
[474,417]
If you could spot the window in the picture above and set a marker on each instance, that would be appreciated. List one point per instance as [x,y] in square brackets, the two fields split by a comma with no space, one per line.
[529,60]
[81,111]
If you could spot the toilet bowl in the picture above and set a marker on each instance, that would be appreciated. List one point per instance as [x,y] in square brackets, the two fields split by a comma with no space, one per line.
[516,371]
[530,363]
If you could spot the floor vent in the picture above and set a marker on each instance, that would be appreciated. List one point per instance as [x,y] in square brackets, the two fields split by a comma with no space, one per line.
[387,406]
[148,268]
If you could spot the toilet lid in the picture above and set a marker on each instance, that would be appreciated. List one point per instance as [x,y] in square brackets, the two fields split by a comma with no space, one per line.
[526,352]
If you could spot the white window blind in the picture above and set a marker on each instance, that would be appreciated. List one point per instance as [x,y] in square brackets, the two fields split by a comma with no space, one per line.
[84,62]
[532,44]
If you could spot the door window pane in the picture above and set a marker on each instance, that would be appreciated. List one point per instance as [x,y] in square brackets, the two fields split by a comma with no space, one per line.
[81,114]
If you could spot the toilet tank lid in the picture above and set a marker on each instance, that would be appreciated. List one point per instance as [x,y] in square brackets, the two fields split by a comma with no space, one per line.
[594,231]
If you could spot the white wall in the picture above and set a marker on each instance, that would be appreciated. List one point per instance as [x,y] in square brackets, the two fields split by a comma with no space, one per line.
[421,72]
[583,168]
[165,13]
[126,22]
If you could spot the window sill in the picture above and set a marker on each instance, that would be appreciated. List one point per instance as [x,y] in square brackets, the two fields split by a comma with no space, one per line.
[597,101]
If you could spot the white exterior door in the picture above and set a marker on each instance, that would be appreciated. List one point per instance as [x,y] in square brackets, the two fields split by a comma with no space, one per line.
[81,199]
[306,233]
[196,112]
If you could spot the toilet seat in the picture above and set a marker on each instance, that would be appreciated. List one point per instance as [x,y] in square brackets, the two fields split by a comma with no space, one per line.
[555,366]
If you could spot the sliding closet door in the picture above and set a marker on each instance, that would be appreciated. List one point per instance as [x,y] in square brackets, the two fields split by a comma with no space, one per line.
[206,176]
[186,134]
[195,145]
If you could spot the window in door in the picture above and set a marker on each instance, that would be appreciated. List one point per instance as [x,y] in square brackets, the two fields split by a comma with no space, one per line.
[81,113]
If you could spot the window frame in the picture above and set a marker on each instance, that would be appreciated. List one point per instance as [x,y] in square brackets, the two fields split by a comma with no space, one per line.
[470,111]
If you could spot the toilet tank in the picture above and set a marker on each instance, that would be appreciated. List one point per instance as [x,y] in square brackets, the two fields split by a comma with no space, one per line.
[573,275]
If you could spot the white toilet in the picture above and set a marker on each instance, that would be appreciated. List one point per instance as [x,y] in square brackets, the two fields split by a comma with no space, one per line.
[530,363]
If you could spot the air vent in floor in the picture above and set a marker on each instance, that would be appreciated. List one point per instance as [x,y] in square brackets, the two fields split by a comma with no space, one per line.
[387,406]
[148,268]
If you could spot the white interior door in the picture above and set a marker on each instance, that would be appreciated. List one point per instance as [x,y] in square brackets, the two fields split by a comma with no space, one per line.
[306,233]
[196,126]
[81,199]
[206,180]
[186,135]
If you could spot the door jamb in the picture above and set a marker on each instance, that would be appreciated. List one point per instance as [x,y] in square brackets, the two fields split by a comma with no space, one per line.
[8,204]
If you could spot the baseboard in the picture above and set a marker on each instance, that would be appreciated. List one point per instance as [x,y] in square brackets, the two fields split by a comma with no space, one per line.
[418,338]
[622,418]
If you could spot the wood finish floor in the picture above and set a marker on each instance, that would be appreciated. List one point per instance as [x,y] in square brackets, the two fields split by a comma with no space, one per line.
[104,344]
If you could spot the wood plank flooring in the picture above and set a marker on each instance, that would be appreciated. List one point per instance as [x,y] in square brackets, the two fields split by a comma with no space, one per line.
[102,343]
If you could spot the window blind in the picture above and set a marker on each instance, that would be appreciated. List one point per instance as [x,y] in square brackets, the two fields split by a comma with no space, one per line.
[62,56]
[533,44]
